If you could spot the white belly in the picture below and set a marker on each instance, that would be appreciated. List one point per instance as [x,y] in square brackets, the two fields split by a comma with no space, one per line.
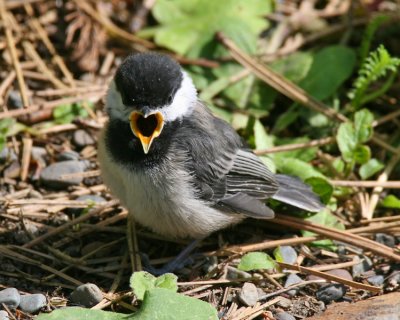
[163,201]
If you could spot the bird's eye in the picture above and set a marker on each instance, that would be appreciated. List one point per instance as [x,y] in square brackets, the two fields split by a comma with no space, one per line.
[170,99]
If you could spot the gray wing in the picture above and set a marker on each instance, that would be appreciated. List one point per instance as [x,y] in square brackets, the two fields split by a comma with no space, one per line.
[225,173]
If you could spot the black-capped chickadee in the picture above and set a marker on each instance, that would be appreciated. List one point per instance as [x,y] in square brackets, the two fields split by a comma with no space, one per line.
[179,170]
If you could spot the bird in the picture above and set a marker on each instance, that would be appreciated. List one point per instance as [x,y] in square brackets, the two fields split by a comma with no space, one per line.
[181,171]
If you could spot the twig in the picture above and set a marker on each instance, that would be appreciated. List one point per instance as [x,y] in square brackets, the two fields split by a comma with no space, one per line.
[295,146]
[26,157]
[13,53]
[5,85]
[91,213]
[330,277]
[386,118]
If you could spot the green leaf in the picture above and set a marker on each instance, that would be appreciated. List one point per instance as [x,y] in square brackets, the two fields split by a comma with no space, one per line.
[167,281]
[369,168]
[295,66]
[140,282]
[189,27]
[391,201]
[262,139]
[321,187]
[362,154]
[74,313]
[330,68]
[363,120]
[298,168]
[256,261]
[162,304]
[66,113]
[302,154]
[346,140]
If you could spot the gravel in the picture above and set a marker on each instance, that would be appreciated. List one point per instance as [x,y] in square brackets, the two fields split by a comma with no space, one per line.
[385,239]
[292,279]
[376,280]
[4,315]
[68,155]
[51,175]
[248,295]
[284,316]
[32,303]
[331,292]
[10,297]
[289,255]
[87,295]
[82,138]
[362,267]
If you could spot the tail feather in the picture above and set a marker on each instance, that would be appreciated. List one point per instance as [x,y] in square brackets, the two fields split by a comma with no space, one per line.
[295,192]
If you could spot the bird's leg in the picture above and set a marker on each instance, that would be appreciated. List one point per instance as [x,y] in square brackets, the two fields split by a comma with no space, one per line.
[177,263]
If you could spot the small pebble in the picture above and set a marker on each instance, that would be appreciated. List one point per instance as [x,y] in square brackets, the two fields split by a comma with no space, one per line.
[32,303]
[14,100]
[284,316]
[289,255]
[82,138]
[10,297]
[87,295]
[89,198]
[68,155]
[292,279]
[7,155]
[4,315]
[13,170]
[385,239]
[248,295]
[51,175]
[331,292]
[362,267]
[342,273]
[376,280]
[394,278]
[284,302]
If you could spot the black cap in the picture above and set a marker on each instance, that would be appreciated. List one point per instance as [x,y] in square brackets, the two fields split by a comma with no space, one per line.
[148,80]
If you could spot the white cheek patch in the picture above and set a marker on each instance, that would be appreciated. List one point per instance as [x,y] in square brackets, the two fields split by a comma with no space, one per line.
[184,101]
[114,105]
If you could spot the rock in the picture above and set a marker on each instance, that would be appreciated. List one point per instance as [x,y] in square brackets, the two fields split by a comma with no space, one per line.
[14,100]
[289,255]
[383,307]
[82,138]
[87,295]
[284,316]
[376,280]
[13,170]
[38,154]
[385,239]
[68,155]
[4,315]
[51,175]
[7,155]
[362,267]
[342,273]
[394,279]
[284,302]
[32,303]
[331,292]
[10,297]
[292,279]
[248,295]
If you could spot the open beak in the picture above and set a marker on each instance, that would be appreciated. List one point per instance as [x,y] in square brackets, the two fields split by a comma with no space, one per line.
[146,127]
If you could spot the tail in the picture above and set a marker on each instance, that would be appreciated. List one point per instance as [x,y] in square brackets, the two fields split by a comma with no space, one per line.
[295,192]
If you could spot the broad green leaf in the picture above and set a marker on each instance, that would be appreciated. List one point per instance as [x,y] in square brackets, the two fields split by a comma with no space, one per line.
[189,27]
[262,139]
[162,304]
[321,187]
[167,281]
[66,113]
[391,201]
[347,141]
[363,125]
[362,154]
[256,261]
[330,68]
[369,168]
[298,168]
[306,155]
[140,282]
[75,313]
[295,66]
